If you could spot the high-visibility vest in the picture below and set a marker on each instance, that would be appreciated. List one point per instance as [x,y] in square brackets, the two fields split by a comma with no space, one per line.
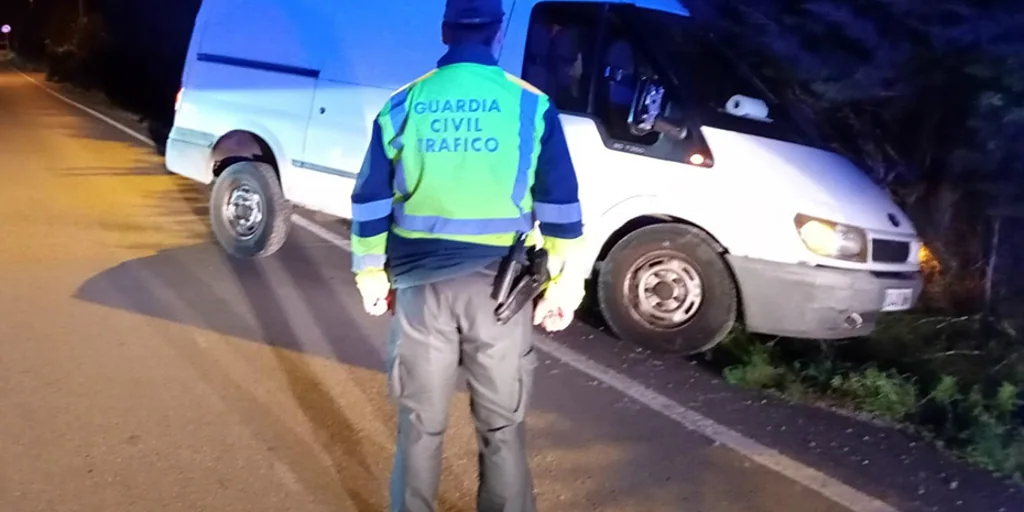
[465,140]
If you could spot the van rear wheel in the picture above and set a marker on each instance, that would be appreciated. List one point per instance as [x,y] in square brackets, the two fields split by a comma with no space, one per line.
[665,288]
[248,212]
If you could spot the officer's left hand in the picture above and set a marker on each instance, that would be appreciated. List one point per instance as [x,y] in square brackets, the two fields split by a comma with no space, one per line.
[374,287]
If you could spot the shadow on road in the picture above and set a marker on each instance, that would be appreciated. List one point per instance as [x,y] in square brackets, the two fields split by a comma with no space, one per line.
[100,171]
[298,301]
[336,435]
[243,299]
[239,299]
[303,300]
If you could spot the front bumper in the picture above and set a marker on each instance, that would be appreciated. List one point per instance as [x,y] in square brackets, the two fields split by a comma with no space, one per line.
[814,302]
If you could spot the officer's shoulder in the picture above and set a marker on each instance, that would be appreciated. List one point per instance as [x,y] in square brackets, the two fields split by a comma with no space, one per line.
[398,96]
[525,85]
[406,87]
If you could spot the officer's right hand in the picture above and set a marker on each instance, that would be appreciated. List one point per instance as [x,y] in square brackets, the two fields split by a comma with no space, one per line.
[557,308]
[552,316]
[374,287]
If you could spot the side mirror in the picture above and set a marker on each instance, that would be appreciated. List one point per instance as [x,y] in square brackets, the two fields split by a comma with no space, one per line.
[645,115]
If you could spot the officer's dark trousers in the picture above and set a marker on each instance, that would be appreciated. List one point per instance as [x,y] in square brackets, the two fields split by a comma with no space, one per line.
[435,328]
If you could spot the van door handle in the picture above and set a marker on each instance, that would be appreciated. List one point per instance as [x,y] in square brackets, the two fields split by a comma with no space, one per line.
[322,110]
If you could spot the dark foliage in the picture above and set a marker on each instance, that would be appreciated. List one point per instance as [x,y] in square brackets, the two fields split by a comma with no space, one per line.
[134,51]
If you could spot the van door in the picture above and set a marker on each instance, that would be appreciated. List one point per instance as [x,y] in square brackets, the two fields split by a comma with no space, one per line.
[336,141]
[359,78]
[584,59]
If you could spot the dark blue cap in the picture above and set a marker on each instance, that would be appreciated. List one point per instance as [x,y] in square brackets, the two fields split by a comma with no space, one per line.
[473,12]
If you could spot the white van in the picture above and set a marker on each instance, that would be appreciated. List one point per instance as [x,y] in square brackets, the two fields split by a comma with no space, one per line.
[705,203]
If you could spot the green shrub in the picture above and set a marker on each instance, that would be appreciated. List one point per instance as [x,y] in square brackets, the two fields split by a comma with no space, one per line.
[955,380]
[758,369]
[887,395]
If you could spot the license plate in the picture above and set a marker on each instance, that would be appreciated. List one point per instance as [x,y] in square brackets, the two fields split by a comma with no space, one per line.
[898,300]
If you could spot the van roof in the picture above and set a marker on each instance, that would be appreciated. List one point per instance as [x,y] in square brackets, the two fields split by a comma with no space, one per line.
[669,6]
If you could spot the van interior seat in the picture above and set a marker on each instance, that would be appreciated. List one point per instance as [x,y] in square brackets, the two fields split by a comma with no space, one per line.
[552,61]
[563,60]
[535,62]
[620,55]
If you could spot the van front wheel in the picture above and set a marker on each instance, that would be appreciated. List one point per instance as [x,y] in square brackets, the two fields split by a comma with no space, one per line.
[248,212]
[663,287]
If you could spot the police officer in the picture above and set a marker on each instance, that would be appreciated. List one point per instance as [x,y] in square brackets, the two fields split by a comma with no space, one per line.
[461,161]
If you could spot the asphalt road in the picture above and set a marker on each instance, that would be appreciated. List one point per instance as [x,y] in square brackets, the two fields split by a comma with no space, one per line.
[142,370]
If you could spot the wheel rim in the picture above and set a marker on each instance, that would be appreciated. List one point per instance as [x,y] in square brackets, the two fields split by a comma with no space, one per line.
[665,291]
[243,211]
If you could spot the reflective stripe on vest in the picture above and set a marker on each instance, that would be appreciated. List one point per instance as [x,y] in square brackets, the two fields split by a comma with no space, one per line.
[465,141]
[440,225]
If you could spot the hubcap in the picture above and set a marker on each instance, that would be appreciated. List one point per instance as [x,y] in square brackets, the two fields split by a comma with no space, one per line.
[244,211]
[666,291]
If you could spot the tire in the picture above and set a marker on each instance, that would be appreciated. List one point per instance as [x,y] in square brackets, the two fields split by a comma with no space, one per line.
[253,236]
[681,253]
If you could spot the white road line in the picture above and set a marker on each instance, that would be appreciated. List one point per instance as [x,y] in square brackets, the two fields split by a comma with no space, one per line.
[811,478]
[138,136]
[322,232]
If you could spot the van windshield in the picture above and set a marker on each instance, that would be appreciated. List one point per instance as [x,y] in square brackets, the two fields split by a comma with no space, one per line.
[708,77]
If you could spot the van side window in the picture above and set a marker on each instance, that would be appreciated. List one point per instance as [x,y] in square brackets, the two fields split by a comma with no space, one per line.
[565,58]
[620,67]
[560,40]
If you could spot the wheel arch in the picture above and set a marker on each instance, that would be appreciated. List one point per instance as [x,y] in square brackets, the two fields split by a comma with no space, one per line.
[645,220]
[239,145]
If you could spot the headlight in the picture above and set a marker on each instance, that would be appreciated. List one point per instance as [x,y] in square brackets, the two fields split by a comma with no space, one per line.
[831,239]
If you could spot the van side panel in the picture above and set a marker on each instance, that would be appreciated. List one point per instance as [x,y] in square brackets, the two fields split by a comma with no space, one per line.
[290,33]
[253,66]
[195,38]
[387,47]
[365,67]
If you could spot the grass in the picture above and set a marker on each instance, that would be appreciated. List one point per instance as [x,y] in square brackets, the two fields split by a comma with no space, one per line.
[967,400]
